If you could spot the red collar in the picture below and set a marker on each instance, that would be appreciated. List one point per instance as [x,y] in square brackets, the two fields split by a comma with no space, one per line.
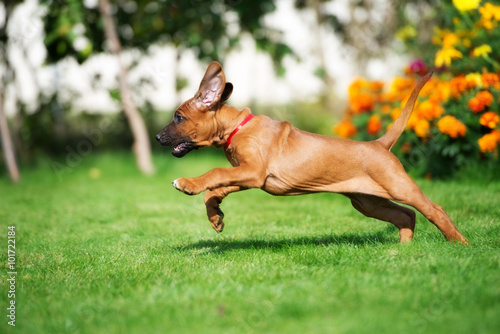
[245,121]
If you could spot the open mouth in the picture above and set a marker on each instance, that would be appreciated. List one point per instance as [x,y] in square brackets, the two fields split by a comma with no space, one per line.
[182,149]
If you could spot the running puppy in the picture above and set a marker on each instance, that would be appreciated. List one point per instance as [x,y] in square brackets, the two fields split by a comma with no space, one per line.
[283,160]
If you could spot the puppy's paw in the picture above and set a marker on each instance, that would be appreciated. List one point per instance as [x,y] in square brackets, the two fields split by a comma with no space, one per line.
[216,221]
[185,186]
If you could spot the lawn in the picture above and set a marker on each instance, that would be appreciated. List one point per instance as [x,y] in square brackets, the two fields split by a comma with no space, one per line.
[106,250]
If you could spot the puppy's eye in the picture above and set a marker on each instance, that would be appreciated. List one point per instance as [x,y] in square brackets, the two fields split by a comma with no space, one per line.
[178,118]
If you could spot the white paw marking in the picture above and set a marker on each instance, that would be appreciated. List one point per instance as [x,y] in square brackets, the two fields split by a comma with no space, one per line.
[176,186]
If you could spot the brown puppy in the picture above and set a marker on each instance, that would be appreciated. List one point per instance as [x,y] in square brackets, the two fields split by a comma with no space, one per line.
[283,160]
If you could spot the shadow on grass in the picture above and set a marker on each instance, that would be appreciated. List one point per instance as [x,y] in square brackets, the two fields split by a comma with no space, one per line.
[269,242]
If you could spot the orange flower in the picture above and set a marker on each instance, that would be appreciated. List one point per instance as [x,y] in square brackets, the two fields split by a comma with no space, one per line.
[490,15]
[449,40]
[489,79]
[412,121]
[362,102]
[451,126]
[429,110]
[489,11]
[357,86]
[458,86]
[361,97]
[345,129]
[485,97]
[374,125]
[389,96]
[400,84]
[488,142]
[376,86]
[479,102]
[440,92]
[489,119]
[428,88]
[421,128]
[386,109]
[395,113]
[475,105]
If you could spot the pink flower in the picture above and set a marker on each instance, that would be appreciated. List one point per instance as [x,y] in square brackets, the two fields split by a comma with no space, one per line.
[418,66]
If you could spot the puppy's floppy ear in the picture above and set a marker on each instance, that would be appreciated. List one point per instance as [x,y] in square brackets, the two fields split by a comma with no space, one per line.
[228,89]
[212,86]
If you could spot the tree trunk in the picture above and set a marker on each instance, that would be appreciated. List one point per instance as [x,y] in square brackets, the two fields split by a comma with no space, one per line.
[328,81]
[141,146]
[7,147]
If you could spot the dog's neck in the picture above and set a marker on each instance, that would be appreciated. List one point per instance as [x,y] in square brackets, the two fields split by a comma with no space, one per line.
[228,119]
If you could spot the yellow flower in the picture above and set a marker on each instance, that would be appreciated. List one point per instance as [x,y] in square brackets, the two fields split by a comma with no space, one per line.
[445,55]
[466,5]
[474,79]
[481,51]
[406,33]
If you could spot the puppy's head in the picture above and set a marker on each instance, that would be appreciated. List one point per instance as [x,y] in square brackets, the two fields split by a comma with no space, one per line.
[194,123]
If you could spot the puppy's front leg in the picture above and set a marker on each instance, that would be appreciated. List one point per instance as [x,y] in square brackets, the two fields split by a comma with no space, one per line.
[213,198]
[244,176]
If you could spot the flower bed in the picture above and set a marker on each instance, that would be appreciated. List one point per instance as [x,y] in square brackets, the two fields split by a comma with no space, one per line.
[456,117]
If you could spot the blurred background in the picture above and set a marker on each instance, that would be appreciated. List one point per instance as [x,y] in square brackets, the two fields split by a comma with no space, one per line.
[100,75]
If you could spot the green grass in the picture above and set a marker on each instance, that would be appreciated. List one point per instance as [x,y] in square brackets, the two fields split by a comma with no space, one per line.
[125,253]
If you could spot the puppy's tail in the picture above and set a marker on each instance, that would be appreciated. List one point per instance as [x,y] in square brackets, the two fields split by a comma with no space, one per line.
[391,137]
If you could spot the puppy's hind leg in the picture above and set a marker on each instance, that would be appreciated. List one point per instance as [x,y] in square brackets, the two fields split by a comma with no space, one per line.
[212,199]
[380,208]
[402,189]
[436,215]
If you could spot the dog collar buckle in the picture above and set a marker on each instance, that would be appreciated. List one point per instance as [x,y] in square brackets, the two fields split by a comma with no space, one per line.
[245,121]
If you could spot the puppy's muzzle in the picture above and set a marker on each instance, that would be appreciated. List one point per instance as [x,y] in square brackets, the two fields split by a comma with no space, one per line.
[164,139]
[181,147]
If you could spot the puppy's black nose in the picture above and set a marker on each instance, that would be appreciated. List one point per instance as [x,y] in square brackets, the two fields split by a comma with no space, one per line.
[158,137]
